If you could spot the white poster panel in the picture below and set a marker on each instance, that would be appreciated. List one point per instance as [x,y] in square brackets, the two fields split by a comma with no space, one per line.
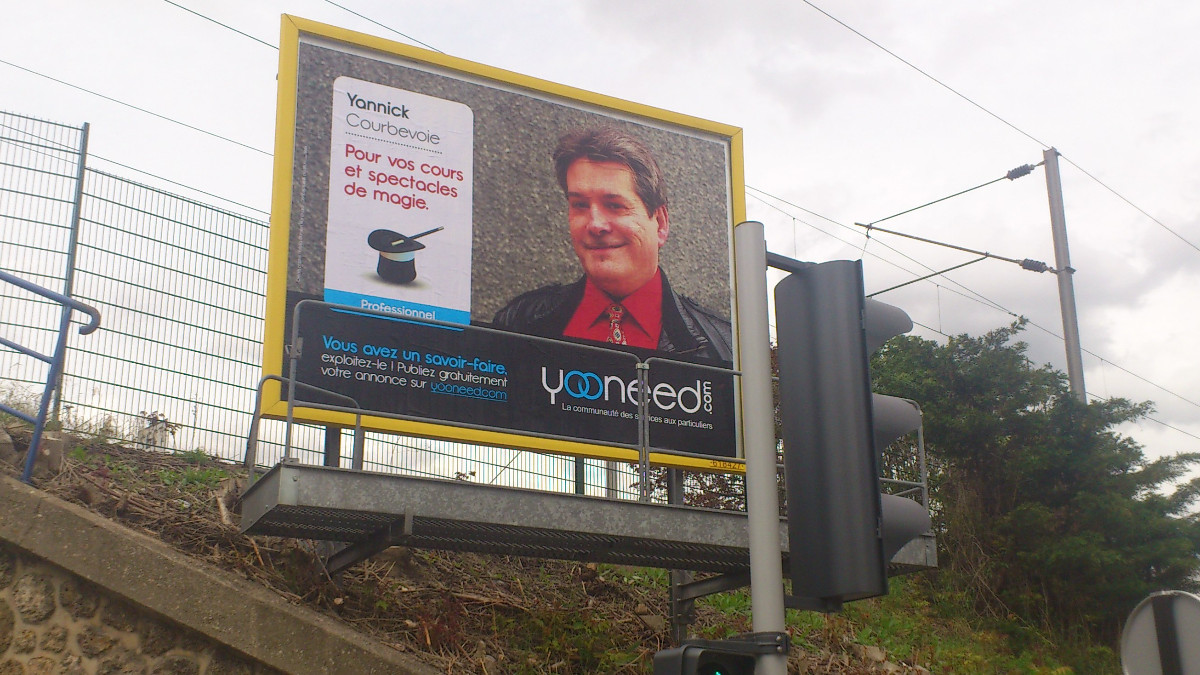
[399,230]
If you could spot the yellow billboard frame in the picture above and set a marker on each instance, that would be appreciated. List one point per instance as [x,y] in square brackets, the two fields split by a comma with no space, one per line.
[274,405]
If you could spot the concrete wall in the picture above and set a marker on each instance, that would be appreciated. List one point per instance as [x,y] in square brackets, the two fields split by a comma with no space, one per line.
[52,621]
[81,594]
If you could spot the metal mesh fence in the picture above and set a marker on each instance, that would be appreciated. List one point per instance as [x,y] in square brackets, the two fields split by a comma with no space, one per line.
[180,286]
[39,168]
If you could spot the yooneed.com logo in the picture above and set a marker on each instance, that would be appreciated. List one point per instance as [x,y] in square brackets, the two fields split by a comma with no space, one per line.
[589,386]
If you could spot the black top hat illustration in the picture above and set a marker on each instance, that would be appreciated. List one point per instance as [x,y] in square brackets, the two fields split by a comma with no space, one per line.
[397,254]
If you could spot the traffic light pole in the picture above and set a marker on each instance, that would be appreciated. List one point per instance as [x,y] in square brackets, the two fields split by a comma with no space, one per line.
[758,433]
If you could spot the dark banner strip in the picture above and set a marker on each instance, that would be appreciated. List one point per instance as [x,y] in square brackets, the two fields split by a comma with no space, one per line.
[512,382]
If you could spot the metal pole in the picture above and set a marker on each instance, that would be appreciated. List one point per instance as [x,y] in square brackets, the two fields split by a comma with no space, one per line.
[1065,274]
[580,476]
[610,480]
[758,433]
[69,275]
[643,370]
[333,445]
[683,611]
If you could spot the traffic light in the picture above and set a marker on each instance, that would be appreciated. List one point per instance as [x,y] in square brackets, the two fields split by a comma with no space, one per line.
[841,530]
[705,657]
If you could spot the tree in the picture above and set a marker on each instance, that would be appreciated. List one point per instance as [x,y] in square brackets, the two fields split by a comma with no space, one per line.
[1043,510]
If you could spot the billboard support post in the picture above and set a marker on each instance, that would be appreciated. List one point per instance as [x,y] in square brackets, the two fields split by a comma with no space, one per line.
[333,444]
[580,464]
[644,492]
[758,428]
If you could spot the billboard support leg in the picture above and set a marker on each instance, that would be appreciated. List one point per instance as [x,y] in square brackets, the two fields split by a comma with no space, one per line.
[580,475]
[333,445]
[683,608]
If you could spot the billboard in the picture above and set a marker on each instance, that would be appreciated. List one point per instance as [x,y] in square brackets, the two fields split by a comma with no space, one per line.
[500,260]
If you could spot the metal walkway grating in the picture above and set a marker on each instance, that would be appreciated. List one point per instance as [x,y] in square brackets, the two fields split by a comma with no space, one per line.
[377,510]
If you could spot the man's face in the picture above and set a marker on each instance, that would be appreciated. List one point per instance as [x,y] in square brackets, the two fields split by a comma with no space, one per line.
[616,239]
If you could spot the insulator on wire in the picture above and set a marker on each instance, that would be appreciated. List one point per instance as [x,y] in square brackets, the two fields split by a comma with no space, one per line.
[1034,265]
[1023,170]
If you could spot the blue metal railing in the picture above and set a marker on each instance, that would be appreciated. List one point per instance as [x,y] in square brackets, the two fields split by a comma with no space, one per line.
[55,360]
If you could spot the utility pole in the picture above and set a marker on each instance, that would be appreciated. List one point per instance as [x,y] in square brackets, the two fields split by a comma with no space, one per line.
[1065,274]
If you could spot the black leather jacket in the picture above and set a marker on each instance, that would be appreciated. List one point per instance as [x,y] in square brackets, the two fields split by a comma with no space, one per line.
[689,331]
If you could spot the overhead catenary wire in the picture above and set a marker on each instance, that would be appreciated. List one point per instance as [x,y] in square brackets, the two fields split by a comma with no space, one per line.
[1025,264]
[981,299]
[1152,419]
[178,184]
[275,47]
[1139,209]
[978,297]
[968,294]
[51,144]
[1177,395]
[928,276]
[997,117]
[1013,174]
[930,328]
[137,108]
[945,86]
[1043,145]
[222,25]
[808,2]
[388,28]
[847,243]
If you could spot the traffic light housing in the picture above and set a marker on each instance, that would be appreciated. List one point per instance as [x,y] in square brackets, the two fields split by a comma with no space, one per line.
[842,531]
[705,657]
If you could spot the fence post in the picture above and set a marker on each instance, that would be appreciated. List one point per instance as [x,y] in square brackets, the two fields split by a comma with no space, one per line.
[69,274]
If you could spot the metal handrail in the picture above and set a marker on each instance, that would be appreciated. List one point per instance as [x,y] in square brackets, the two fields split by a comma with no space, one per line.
[59,298]
[252,438]
[921,485]
[55,360]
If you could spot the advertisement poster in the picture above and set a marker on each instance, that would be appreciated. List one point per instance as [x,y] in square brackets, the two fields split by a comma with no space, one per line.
[510,381]
[399,232]
[569,235]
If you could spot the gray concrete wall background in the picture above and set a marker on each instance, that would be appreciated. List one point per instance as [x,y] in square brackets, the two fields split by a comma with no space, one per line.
[520,231]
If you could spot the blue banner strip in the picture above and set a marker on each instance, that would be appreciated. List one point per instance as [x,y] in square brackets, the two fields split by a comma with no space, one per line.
[400,308]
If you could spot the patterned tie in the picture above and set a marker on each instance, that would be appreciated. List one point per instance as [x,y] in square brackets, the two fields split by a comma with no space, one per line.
[616,335]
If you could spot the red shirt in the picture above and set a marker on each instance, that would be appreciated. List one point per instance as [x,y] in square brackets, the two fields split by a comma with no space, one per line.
[641,323]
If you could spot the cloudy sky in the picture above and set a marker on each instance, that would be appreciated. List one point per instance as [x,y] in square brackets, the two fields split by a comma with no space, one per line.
[851,111]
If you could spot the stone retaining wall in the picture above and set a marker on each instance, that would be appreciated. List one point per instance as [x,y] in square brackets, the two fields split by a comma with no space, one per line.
[52,621]
[82,595]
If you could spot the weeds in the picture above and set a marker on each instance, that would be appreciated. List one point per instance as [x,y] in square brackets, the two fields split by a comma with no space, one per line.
[192,477]
[19,397]
[467,613]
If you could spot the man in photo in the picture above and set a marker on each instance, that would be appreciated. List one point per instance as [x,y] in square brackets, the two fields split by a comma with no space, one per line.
[618,219]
